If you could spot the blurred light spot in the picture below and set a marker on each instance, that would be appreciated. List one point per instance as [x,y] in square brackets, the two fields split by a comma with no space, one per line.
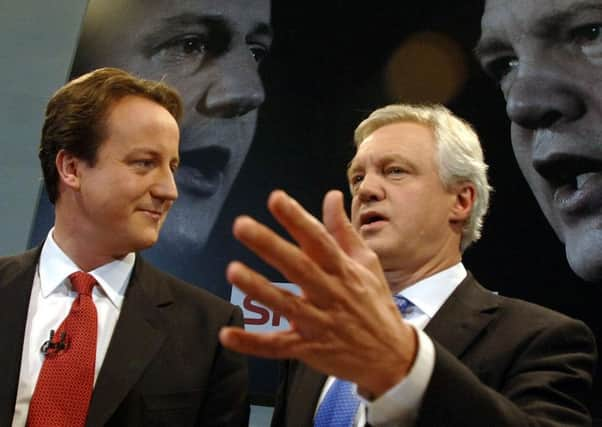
[426,68]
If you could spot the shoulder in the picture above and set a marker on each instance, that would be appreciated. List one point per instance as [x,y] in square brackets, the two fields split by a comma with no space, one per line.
[21,259]
[532,319]
[15,264]
[164,286]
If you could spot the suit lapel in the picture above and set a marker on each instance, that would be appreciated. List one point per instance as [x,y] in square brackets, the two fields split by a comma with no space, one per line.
[304,397]
[15,290]
[138,335]
[463,316]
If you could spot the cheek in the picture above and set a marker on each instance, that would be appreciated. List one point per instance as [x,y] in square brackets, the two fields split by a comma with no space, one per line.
[521,146]
[126,193]
[424,214]
[192,86]
[354,213]
[245,130]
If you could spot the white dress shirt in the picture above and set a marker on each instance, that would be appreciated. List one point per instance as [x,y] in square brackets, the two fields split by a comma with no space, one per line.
[399,405]
[49,304]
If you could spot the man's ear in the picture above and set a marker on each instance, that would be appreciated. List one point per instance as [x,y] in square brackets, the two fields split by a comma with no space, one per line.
[68,167]
[465,195]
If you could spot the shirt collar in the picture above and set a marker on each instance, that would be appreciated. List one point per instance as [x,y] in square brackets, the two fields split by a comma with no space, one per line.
[55,267]
[430,293]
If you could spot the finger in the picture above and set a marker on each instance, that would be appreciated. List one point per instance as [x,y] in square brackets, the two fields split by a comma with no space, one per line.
[287,258]
[338,225]
[310,233]
[274,345]
[296,309]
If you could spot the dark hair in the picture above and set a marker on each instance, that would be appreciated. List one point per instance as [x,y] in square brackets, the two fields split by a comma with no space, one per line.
[76,116]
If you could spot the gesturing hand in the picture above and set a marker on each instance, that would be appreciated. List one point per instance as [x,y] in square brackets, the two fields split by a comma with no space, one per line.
[345,322]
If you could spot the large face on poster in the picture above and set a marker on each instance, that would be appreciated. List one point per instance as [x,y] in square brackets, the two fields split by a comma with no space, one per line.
[547,58]
[209,50]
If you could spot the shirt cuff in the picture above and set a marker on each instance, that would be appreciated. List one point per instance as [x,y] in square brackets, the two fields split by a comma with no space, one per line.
[399,406]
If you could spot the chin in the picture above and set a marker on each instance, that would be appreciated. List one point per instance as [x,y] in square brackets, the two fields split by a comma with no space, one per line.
[585,257]
[144,242]
[588,268]
[387,257]
[190,221]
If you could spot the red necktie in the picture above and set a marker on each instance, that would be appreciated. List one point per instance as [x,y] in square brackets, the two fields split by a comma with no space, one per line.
[64,388]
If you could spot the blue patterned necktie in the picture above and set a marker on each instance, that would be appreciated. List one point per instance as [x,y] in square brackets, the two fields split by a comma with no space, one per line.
[340,405]
[404,305]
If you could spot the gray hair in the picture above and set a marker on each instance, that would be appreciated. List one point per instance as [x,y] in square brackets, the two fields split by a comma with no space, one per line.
[459,153]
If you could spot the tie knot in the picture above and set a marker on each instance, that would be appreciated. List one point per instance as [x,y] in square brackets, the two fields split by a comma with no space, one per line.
[404,305]
[82,282]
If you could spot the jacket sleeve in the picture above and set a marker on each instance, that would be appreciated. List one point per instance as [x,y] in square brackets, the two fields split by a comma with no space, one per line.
[227,402]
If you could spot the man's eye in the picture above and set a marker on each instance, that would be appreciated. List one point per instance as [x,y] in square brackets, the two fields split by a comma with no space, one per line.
[356,179]
[499,68]
[144,163]
[192,44]
[588,38]
[587,34]
[395,170]
[259,52]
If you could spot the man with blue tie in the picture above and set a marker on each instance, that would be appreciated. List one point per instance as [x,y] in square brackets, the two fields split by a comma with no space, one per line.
[458,355]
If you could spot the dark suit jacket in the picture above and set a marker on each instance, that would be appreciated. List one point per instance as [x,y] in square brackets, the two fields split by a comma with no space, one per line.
[164,366]
[498,362]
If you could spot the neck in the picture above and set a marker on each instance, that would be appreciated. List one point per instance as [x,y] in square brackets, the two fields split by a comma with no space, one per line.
[79,244]
[399,279]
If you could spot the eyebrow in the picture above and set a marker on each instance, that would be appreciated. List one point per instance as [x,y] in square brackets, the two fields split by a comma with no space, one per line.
[190,19]
[186,19]
[147,150]
[381,160]
[152,152]
[173,25]
[263,29]
[547,26]
[488,46]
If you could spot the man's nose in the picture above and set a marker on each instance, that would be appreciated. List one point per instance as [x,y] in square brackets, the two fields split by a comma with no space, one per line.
[542,95]
[370,189]
[235,88]
[165,187]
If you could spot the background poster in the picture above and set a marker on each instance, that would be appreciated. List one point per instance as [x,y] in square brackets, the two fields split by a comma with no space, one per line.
[329,65]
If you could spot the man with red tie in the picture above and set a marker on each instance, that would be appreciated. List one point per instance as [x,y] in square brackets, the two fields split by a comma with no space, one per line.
[95,335]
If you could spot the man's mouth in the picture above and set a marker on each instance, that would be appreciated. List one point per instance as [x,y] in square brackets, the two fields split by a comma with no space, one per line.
[155,214]
[369,218]
[202,170]
[576,180]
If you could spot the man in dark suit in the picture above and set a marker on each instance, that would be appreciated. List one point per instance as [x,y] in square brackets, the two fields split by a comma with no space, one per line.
[93,334]
[462,355]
